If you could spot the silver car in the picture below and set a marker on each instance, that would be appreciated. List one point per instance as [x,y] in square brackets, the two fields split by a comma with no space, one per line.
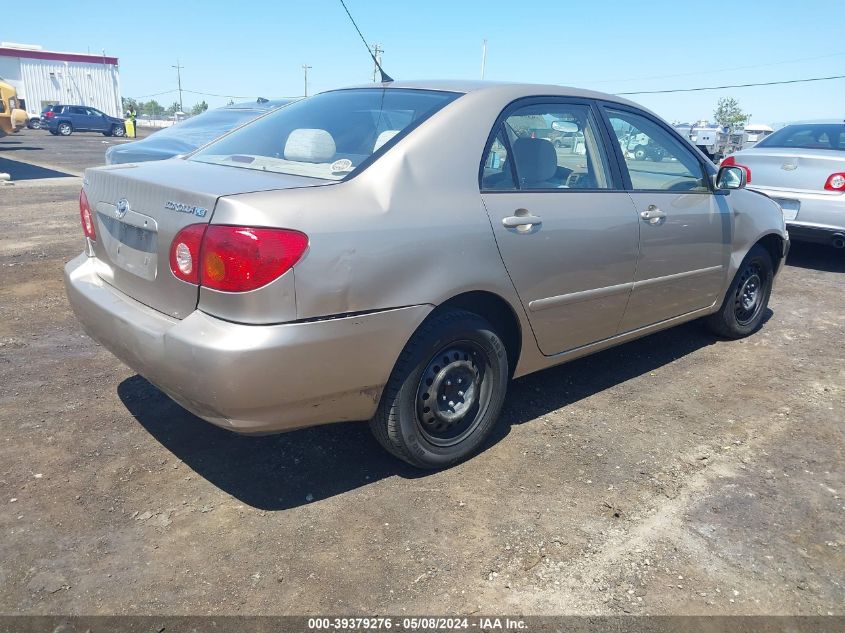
[802,167]
[397,253]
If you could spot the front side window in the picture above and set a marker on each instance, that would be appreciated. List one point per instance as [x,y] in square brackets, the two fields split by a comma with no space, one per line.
[329,135]
[552,146]
[654,158]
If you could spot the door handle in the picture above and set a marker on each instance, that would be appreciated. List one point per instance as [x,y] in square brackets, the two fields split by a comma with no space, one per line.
[515,221]
[653,215]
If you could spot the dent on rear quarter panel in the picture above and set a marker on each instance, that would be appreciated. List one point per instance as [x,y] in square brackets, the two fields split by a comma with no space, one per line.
[409,230]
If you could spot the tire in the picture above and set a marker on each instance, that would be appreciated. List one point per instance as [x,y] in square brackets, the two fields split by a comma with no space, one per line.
[34,124]
[65,129]
[450,348]
[118,130]
[747,298]
[640,153]
[558,144]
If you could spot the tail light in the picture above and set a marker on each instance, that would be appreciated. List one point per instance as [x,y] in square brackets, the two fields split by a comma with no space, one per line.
[730,161]
[87,216]
[49,114]
[835,182]
[234,258]
[185,253]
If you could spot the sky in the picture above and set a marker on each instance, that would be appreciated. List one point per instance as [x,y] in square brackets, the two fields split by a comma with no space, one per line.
[258,48]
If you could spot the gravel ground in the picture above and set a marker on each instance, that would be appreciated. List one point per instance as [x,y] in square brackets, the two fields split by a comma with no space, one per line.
[679,474]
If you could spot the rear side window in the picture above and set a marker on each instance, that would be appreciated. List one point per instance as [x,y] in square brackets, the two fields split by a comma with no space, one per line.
[329,135]
[546,146]
[807,136]
[655,159]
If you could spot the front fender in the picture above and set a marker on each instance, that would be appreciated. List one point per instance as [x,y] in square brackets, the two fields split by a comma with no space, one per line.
[755,216]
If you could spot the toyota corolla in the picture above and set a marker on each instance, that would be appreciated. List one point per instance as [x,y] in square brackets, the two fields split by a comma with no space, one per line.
[398,253]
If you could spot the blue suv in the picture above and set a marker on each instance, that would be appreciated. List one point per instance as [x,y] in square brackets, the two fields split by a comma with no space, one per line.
[64,120]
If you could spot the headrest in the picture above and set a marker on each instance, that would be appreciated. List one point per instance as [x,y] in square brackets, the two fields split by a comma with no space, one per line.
[536,159]
[383,138]
[310,145]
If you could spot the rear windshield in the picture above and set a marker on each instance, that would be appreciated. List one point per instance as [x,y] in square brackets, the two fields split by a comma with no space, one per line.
[329,135]
[808,136]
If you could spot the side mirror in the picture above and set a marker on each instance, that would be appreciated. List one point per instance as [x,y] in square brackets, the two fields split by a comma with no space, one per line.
[731,177]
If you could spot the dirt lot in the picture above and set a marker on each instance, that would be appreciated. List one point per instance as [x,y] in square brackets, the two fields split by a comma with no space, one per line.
[679,474]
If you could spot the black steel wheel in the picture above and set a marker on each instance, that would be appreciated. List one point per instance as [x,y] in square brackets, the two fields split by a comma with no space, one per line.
[446,392]
[747,298]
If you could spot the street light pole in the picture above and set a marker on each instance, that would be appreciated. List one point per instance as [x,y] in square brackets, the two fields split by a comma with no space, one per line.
[305,68]
[179,81]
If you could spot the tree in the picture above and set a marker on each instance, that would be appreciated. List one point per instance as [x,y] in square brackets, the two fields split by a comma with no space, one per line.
[199,108]
[728,114]
[153,108]
[128,102]
[174,108]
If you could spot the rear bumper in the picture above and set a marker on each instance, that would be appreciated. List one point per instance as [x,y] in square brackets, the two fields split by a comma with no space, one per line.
[248,378]
[820,215]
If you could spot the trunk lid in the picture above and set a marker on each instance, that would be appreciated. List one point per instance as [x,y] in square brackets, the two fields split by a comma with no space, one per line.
[139,209]
[791,169]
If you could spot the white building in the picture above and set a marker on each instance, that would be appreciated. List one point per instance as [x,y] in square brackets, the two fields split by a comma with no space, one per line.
[48,77]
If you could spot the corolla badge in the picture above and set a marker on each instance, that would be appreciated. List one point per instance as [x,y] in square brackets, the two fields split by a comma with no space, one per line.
[181,207]
[789,166]
[121,207]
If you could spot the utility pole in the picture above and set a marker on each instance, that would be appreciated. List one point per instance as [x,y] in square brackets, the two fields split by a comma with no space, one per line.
[179,81]
[377,51]
[305,68]
[483,57]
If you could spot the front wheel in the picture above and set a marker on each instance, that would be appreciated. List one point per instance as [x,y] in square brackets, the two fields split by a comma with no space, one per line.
[445,393]
[65,129]
[118,130]
[35,124]
[747,298]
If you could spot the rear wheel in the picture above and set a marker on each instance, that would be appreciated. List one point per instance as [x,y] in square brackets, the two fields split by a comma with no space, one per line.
[640,152]
[445,393]
[65,129]
[745,304]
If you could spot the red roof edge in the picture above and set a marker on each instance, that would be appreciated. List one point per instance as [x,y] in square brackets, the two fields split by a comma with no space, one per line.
[61,57]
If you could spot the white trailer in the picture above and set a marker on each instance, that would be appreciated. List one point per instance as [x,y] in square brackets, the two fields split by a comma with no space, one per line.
[711,139]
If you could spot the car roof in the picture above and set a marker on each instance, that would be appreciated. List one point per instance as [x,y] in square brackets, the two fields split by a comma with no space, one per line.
[497,88]
[818,122]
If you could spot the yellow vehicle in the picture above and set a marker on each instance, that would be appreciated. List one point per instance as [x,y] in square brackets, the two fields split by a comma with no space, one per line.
[12,118]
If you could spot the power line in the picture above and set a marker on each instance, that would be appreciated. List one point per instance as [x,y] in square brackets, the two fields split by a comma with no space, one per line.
[718,70]
[764,83]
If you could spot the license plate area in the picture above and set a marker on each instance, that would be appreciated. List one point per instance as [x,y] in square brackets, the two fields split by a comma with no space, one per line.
[129,246]
[790,207]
